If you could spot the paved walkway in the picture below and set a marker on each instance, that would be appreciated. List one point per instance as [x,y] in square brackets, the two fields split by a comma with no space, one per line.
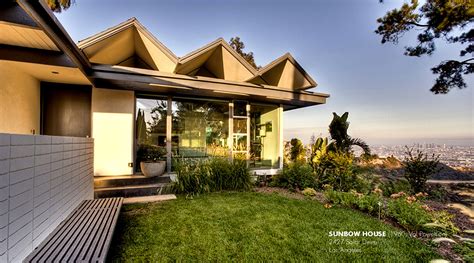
[148,199]
[450,182]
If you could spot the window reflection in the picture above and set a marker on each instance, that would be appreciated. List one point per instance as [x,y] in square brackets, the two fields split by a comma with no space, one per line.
[200,128]
[150,130]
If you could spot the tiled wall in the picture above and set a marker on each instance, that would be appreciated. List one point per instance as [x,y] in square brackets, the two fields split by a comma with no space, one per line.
[42,179]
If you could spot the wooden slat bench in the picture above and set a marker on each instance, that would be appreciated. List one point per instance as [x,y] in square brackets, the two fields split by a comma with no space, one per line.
[84,236]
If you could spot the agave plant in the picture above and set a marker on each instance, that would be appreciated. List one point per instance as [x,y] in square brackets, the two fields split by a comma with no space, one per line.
[341,140]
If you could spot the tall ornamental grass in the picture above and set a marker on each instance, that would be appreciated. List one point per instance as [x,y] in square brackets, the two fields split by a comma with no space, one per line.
[210,175]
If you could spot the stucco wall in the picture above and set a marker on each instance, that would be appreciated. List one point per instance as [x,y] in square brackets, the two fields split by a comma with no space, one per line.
[42,179]
[271,140]
[19,101]
[112,130]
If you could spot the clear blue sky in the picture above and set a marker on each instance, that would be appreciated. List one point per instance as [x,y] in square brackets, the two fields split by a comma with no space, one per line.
[386,94]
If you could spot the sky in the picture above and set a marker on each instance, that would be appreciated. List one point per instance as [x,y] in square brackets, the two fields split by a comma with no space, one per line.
[386,93]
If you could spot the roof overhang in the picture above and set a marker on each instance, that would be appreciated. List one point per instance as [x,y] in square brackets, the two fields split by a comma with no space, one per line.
[150,81]
[35,15]
[39,14]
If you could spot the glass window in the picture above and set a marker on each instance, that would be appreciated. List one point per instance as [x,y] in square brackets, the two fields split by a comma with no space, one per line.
[240,143]
[200,128]
[240,125]
[240,108]
[150,130]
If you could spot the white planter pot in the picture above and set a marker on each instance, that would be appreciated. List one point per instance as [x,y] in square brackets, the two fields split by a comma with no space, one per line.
[152,169]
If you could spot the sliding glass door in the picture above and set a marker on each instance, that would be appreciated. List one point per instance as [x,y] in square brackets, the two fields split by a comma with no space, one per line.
[150,129]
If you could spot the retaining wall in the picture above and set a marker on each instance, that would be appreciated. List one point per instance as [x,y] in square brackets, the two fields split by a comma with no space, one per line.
[42,179]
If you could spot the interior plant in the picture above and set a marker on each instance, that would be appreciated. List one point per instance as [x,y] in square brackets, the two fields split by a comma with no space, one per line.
[151,160]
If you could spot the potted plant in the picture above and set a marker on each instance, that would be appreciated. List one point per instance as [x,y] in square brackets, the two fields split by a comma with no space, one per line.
[151,162]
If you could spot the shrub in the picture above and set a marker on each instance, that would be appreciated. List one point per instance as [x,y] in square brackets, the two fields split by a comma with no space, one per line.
[411,216]
[444,219]
[150,153]
[192,177]
[370,203]
[365,182]
[294,177]
[396,186]
[215,174]
[437,192]
[418,167]
[340,198]
[466,249]
[309,192]
[336,169]
[297,151]
[229,175]
[366,203]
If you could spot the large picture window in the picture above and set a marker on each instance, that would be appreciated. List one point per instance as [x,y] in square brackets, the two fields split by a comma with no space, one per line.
[179,128]
[199,128]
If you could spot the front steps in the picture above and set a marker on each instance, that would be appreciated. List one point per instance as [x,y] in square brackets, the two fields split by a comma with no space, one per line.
[131,186]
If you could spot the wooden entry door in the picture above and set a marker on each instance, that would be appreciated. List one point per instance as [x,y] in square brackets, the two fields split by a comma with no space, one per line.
[65,109]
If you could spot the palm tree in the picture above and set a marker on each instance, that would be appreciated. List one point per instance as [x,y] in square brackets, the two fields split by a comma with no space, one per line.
[341,140]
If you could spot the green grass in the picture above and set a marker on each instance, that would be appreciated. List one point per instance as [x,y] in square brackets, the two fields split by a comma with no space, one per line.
[254,227]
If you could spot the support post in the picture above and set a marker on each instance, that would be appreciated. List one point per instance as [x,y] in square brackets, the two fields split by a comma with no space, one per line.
[281,150]
[230,140]
[247,156]
[169,124]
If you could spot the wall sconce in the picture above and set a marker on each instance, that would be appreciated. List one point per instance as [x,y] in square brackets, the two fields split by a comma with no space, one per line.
[264,128]
[268,126]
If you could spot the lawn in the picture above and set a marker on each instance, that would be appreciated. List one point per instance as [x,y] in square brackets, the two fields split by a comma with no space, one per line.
[254,227]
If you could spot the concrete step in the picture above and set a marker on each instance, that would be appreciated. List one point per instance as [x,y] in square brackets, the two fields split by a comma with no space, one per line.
[128,180]
[133,190]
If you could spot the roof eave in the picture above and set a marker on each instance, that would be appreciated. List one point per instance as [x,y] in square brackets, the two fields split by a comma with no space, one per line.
[45,19]
[168,83]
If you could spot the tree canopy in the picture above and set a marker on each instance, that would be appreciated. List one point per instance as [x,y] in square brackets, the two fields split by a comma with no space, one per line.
[239,46]
[59,5]
[443,20]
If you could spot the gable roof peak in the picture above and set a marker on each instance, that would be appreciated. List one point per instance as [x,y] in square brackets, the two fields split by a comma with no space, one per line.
[277,63]
[127,42]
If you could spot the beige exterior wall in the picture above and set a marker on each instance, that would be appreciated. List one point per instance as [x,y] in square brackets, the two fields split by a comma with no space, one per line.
[19,101]
[112,130]
[271,149]
[281,145]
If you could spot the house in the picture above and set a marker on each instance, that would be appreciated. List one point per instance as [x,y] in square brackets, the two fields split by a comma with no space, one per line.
[71,111]
[127,90]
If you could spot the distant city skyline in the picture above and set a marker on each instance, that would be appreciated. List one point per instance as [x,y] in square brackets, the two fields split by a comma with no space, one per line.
[386,93]
[304,134]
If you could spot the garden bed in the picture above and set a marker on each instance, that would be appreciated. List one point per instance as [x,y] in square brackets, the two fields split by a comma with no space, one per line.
[249,226]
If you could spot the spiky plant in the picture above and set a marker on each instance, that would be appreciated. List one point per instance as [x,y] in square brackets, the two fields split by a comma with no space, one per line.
[341,140]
